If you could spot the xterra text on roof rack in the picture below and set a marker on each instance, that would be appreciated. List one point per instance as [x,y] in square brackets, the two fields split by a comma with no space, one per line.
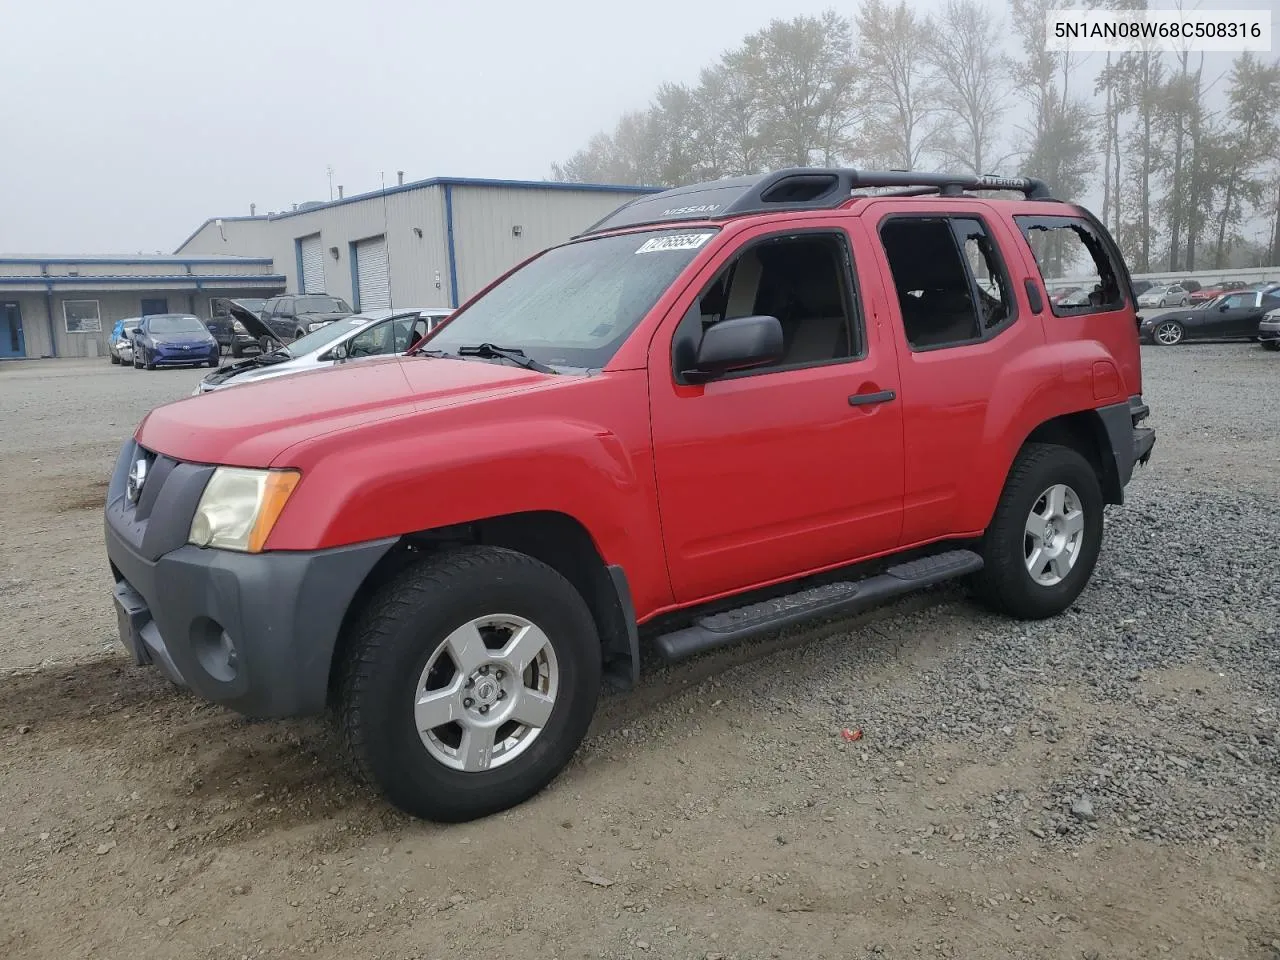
[723,409]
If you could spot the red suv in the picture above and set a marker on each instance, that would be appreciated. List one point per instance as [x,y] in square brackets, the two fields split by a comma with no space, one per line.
[723,409]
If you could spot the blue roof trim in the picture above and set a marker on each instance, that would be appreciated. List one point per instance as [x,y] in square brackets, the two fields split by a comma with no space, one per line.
[196,231]
[136,261]
[462,182]
[194,278]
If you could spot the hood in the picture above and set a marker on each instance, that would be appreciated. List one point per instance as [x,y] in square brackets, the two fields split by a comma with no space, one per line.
[254,425]
[252,323]
[321,317]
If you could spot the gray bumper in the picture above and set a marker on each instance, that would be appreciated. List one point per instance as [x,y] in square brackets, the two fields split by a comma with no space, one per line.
[1131,443]
[254,632]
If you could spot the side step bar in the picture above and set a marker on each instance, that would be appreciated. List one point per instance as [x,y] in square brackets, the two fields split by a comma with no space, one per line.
[844,597]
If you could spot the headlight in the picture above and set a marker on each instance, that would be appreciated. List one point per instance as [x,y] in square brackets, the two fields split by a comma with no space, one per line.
[313,327]
[239,507]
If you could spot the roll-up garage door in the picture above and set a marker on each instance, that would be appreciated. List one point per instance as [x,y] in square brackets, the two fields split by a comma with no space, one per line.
[312,257]
[371,273]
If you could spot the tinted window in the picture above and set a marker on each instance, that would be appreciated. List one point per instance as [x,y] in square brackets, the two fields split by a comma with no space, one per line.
[1071,247]
[320,305]
[936,293]
[575,305]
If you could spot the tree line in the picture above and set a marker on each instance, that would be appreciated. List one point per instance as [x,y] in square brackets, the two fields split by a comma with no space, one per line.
[1187,163]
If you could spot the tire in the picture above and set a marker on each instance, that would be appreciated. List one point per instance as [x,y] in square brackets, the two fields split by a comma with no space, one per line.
[1183,302]
[299,334]
[137,363]
[213,363]
[1006,583]
[1168,333]
[114,359]
[404,630]
[1271,344]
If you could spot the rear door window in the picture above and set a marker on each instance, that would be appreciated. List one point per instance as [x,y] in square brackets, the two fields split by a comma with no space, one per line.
[1070,251]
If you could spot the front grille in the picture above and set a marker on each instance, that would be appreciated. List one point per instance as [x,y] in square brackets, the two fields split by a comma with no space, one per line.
[158,521]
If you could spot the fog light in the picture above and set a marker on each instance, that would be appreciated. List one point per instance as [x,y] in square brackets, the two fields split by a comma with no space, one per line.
[215,650]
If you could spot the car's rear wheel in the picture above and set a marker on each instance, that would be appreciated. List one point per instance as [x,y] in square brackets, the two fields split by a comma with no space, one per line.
[1044,539]
[1169,333]
[468,683]
[1183,302]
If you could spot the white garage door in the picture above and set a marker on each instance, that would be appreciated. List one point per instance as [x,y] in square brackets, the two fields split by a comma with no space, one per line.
[371,273]
[312,257]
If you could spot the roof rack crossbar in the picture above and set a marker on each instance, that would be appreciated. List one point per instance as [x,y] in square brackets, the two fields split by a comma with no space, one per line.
[799,188]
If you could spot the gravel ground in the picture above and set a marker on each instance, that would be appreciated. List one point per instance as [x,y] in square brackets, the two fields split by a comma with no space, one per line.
[1105,784]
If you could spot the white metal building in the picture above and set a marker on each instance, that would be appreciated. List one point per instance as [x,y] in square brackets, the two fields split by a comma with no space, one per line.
[430,242]
[66,306]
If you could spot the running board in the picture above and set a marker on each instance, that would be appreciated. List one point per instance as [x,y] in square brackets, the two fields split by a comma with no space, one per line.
[844,597]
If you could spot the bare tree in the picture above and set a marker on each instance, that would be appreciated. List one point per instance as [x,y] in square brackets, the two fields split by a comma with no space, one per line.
[1057,145]
[895,83]
[1252,140]
[803,75]
[971,83]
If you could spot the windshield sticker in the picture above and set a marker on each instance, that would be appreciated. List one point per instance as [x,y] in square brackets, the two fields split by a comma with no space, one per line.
[677,241]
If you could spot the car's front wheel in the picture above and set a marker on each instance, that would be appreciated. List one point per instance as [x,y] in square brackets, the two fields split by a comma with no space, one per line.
[1168,333]
[1271,344]
[1044,539]
[468,683]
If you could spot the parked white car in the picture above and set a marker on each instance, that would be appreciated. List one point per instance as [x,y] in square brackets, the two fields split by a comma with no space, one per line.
[1171,296]
[373,334]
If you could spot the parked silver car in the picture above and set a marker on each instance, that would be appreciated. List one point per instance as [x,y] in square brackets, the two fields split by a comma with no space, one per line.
[373,334]
[1165,296]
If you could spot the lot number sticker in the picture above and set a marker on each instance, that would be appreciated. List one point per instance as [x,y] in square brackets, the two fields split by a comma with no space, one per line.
[676,241]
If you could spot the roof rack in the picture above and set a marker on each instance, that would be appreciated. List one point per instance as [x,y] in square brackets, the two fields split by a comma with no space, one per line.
[799,188]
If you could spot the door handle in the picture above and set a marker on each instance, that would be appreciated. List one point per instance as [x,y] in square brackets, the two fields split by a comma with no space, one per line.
[867,399]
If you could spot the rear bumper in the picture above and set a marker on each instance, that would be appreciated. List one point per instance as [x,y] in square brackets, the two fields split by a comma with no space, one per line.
[1131,443]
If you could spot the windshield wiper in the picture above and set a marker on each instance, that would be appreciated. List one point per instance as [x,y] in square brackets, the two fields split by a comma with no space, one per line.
[513,354]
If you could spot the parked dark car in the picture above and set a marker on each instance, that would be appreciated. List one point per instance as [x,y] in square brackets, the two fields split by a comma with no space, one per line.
[240,340]
[174,340]
[1233,316]
[1142,286]
[295,315]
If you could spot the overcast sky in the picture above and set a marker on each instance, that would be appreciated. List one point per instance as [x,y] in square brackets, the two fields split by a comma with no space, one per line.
[125,125]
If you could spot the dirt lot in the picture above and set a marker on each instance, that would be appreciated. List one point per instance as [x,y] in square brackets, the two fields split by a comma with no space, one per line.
[1103,785]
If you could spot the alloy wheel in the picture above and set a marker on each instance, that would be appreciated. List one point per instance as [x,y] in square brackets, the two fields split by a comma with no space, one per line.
[1054,535]
[486,692]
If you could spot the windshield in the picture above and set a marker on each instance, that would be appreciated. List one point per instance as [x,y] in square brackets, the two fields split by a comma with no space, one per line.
[324,336]
[321,305]
[253,306]
[130,325]
[574,305]
[175,325]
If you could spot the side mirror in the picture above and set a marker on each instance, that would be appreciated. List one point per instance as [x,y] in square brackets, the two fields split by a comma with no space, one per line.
[1224,306]
[338,353]
[737,344]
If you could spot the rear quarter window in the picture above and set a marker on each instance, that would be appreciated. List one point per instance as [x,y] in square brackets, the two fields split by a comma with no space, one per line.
[1071,251]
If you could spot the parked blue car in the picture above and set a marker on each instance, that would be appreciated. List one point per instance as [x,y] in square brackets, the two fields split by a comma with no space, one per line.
[173,340]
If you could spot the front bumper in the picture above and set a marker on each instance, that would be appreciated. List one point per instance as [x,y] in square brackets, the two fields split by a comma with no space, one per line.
[176,356]
[254,632]
[1269,331]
